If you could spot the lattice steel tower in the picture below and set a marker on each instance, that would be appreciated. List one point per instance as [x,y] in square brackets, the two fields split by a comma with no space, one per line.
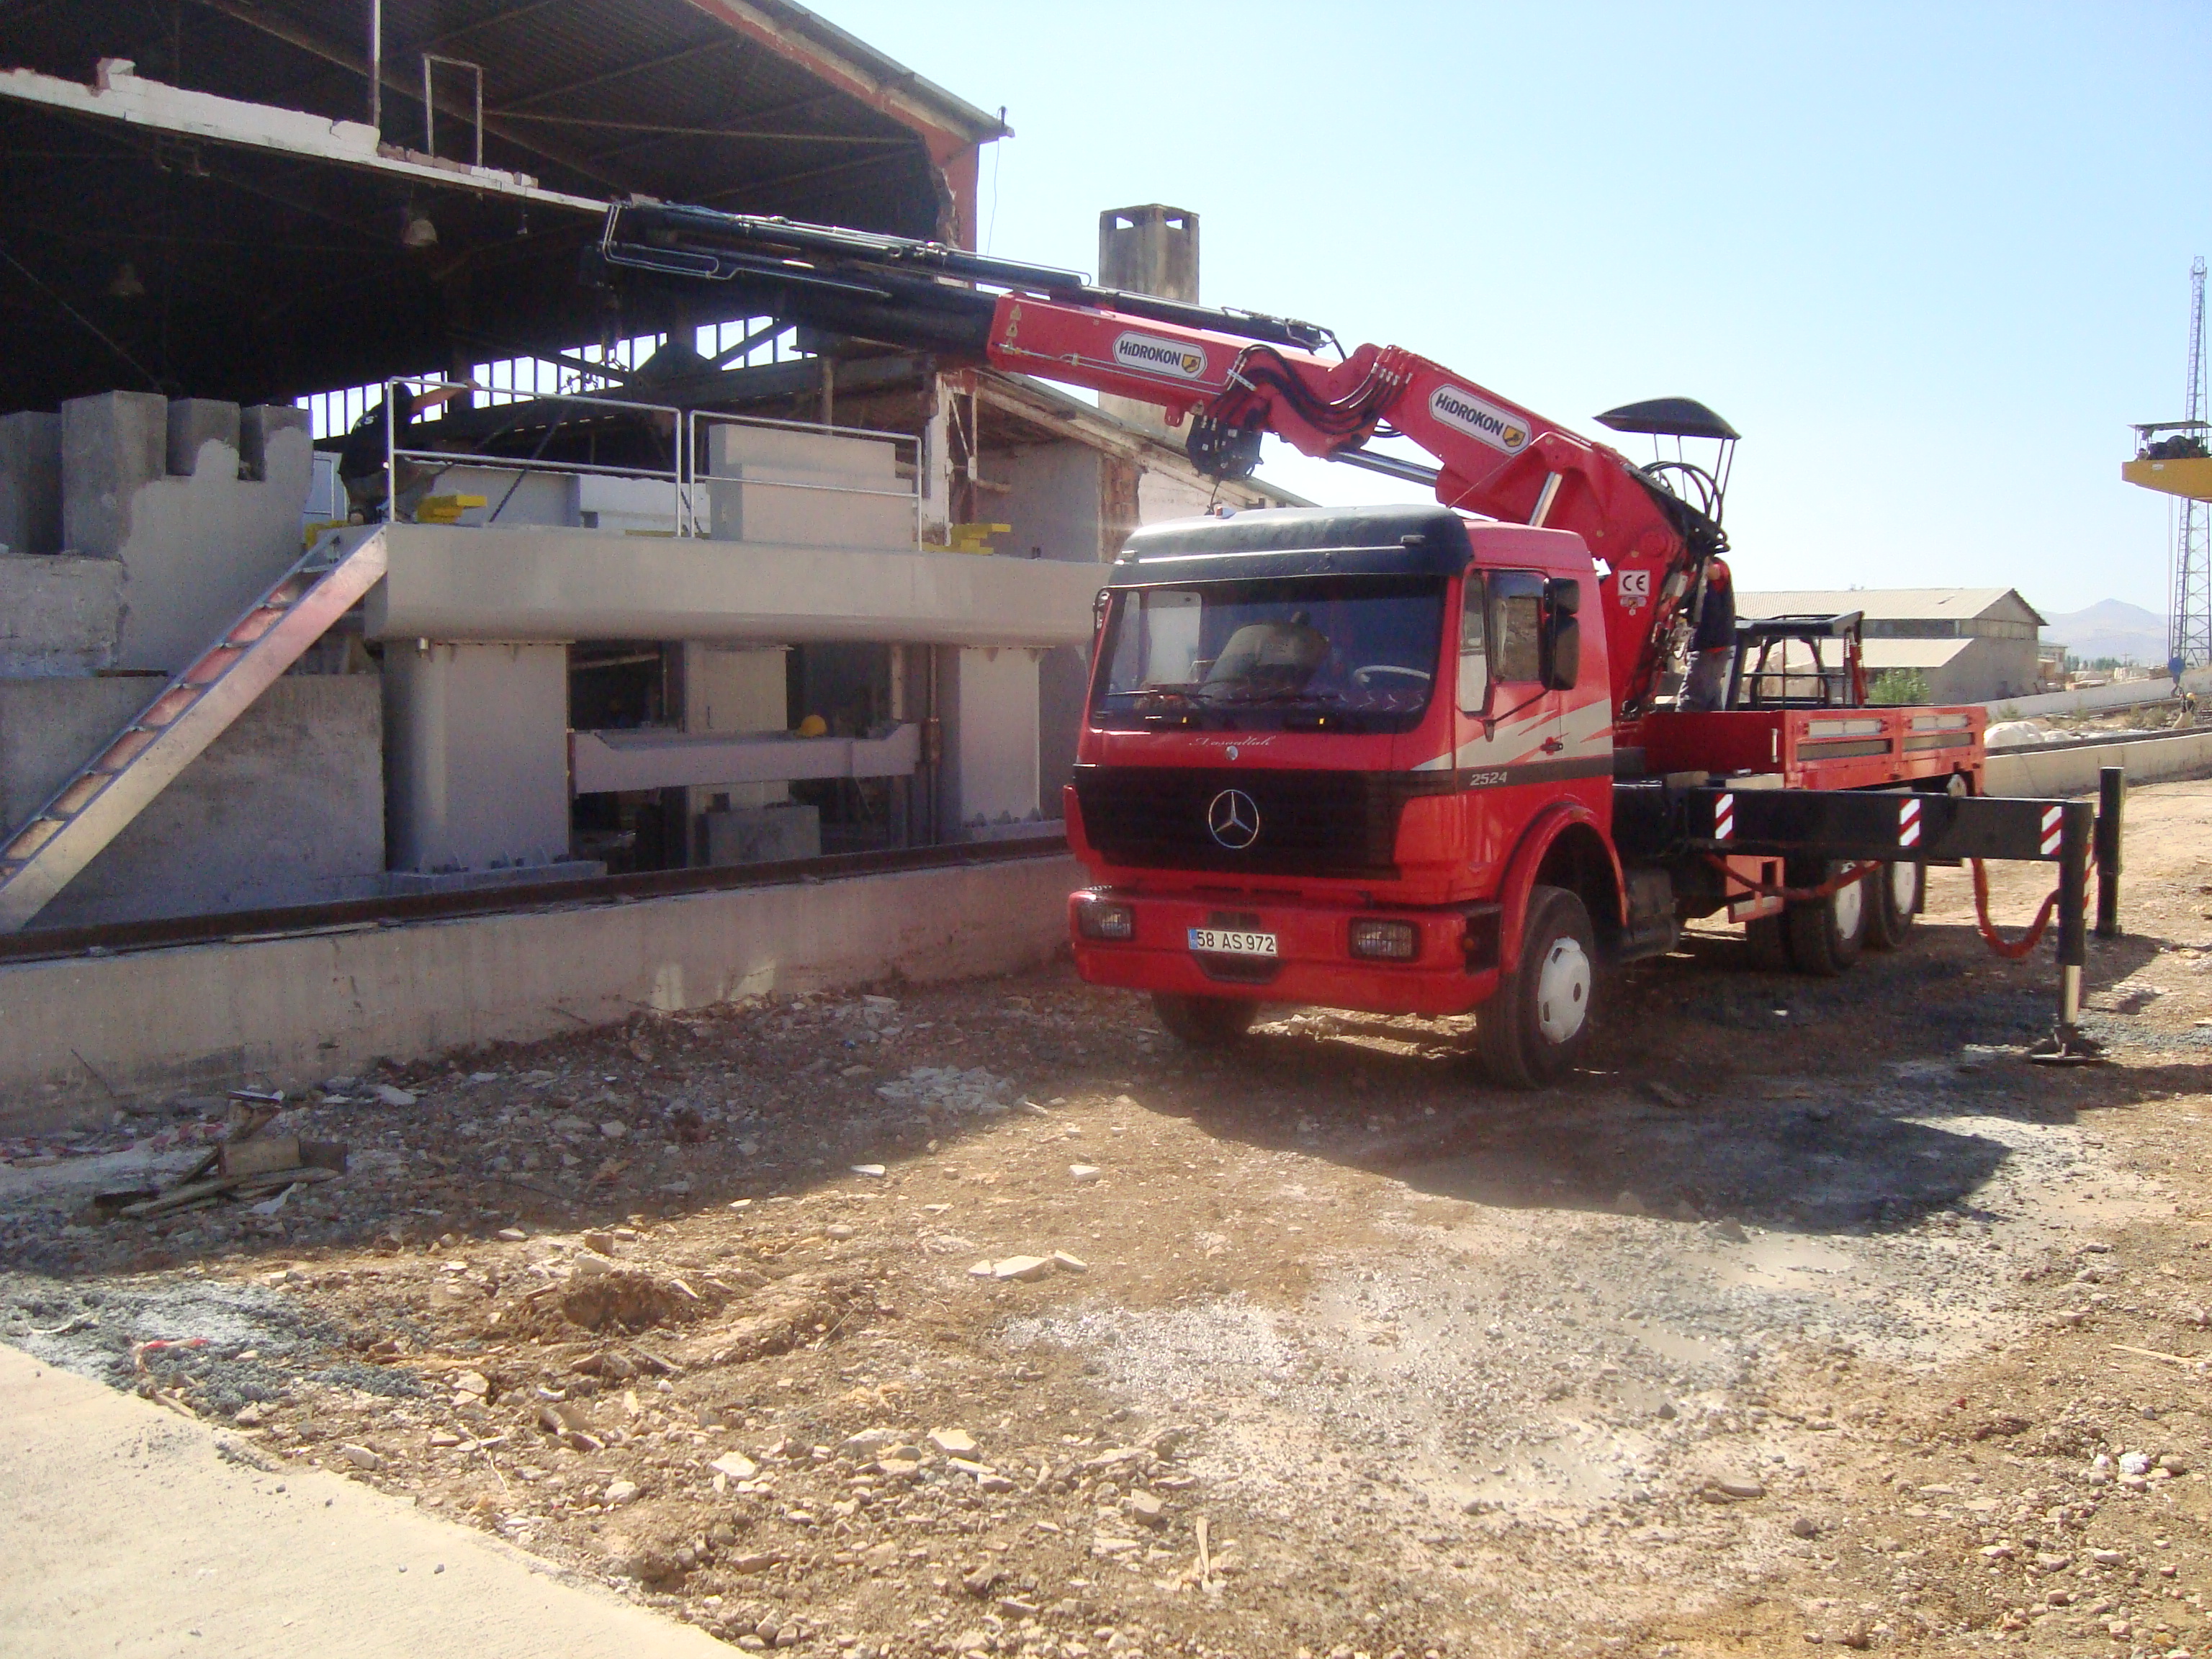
[2189,627]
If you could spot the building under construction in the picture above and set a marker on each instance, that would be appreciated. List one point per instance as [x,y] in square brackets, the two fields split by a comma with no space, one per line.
[664,598]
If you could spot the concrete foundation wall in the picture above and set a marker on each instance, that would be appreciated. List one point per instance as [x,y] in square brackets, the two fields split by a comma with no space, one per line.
[290,1011]
[286,807]
[477,738]
[2052,773]
[50,728]
[59,615]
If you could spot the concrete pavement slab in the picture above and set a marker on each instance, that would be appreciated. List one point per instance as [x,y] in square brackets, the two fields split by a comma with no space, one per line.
[128,1529]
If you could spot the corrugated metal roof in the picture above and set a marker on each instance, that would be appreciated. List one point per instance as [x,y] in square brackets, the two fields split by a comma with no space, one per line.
[1884,604]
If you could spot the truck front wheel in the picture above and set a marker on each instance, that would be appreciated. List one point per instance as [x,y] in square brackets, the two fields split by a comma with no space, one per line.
[1826,935]
[1204,1021]
[1537,1026]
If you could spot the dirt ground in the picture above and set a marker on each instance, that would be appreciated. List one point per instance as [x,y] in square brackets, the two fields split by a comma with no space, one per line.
[1810,1314]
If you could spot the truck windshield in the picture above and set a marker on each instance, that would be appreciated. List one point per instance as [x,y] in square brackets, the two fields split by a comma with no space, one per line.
[1355,654]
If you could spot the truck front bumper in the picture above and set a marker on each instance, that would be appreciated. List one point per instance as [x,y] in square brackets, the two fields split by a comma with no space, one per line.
[1453,968]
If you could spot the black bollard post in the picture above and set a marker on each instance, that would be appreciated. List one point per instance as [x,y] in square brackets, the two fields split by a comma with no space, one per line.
[2111,799]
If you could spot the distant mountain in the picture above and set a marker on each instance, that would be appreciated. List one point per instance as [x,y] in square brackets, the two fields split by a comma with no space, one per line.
[2110,627]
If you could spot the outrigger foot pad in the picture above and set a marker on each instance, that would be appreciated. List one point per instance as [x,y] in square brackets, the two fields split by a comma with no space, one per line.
[2066,1046]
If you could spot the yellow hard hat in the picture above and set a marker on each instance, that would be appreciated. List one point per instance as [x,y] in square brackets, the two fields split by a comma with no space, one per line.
[813,726]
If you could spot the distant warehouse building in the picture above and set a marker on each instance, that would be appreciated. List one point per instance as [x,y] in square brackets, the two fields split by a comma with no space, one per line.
[1972,644]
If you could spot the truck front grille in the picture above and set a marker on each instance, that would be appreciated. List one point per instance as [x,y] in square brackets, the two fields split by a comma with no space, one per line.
[1310,823]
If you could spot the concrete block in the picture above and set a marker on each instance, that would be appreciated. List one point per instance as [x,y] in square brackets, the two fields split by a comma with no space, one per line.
[30,482]
[194,421]
[762,834]
[549,499]
[59,614]
[112,447]
[807,489]
[477,741]
[257,427]
[285,807]
[197,550]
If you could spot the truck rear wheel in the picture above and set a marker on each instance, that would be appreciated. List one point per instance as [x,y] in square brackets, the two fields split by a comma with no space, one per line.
[1537,1026]
[1895,892]
[1826,935]
[1204,1021]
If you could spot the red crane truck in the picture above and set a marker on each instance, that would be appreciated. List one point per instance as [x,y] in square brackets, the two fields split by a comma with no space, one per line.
[1412,759]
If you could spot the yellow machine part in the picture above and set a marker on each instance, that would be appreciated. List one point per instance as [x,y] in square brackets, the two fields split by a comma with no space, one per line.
[2189,476]
[445,509]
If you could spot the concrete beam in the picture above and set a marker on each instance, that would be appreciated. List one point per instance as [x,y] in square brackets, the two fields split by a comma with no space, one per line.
[454,583]
[295,1010]
[122,95]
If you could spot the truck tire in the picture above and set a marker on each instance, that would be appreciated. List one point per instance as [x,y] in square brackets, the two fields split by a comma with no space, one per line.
[1537,1026]
[1204,1021]
[1895,892]
[1826,935]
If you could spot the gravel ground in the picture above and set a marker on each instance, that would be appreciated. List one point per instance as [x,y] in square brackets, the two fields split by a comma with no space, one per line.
[983,1319]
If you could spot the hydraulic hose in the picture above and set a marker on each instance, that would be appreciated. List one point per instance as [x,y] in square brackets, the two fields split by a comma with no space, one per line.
[2010,950]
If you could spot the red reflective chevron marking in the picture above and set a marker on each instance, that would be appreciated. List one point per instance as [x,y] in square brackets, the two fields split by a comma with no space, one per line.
[1908,822]
[1724,818]
[2051,816]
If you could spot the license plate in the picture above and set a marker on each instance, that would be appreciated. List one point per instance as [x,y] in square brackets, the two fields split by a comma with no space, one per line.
[1220,942]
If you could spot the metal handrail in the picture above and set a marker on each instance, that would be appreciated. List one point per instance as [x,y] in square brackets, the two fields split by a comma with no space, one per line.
[521,465]
[685,478]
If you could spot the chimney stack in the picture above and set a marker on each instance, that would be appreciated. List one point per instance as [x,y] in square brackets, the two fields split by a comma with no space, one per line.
[1152,249]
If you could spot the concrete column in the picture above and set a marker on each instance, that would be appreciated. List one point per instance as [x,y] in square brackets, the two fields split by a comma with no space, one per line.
[937,466]
[113,445]
[476,754]
[988,705]
[1152,249]
[735,688]
[31,482]
[193,422]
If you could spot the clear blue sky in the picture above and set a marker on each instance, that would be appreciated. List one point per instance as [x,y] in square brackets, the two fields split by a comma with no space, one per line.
[1930,259]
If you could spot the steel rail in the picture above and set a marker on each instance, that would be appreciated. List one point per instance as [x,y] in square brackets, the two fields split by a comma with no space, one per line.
[242,927]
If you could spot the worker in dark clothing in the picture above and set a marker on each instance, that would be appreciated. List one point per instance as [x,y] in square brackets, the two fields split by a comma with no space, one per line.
[360,461]
[1712,643]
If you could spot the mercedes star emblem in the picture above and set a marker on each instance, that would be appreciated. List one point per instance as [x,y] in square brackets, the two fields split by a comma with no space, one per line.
[1232,818]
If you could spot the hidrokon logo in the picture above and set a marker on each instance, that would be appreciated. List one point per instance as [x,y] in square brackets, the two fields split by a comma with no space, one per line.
[1147,354]
[1496,427]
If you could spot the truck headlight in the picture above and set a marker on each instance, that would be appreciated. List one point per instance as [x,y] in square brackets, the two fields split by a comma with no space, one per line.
[1385,941]
[1099,919]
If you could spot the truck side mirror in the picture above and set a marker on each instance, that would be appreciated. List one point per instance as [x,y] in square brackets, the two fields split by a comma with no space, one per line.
[1563,633]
